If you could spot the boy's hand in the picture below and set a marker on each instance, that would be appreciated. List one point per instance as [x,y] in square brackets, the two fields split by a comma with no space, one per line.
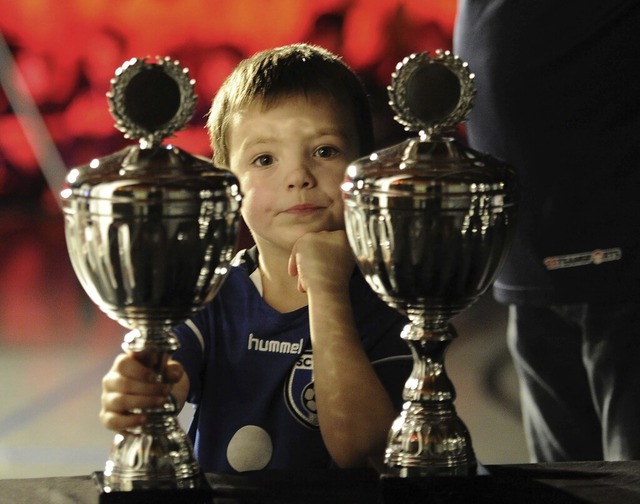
[129,385]
[322,261]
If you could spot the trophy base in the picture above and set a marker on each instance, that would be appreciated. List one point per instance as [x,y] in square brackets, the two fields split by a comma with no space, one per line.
[438,489]
[200,493]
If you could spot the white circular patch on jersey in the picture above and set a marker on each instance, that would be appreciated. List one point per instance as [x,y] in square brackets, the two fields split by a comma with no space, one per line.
[250,449]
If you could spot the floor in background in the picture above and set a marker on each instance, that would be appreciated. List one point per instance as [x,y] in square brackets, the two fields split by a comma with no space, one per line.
[55,347]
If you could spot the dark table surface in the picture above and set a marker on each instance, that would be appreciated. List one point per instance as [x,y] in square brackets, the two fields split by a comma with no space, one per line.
[558,483]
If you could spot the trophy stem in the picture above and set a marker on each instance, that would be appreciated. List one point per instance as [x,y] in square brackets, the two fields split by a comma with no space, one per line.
[152,346]
[428,438]
[158,454]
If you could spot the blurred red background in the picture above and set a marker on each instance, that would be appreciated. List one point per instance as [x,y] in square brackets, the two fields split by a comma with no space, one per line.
[67,51]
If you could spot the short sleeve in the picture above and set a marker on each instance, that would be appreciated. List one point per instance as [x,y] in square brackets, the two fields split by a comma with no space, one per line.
[191,353]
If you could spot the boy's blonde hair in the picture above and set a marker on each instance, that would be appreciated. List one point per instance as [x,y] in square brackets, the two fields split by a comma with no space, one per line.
[296,69]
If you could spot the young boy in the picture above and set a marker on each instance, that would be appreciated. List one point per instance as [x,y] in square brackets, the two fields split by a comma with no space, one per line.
[286,122]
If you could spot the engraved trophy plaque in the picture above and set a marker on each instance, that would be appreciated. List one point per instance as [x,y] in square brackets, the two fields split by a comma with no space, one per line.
[429,221]
[151,230]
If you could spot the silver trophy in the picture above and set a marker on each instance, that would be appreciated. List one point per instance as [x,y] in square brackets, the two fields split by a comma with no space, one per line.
[151,230]
[429,221]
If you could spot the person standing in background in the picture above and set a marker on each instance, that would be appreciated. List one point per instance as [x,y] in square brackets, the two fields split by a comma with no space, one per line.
[559,99]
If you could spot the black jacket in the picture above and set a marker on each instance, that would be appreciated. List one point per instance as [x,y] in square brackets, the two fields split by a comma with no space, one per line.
[559,99]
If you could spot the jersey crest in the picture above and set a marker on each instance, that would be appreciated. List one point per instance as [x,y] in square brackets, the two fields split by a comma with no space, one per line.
[300,393]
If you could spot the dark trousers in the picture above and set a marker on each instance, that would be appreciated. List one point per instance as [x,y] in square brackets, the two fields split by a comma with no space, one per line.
[579,372]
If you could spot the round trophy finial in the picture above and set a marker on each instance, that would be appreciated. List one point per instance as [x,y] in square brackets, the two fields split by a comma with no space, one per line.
[150,101]
[431,94]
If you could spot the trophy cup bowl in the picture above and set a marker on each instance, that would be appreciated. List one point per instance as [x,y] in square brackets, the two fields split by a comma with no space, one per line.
[151,231]
[429,221]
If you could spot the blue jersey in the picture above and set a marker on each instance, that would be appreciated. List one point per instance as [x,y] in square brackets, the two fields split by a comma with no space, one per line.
[251,373]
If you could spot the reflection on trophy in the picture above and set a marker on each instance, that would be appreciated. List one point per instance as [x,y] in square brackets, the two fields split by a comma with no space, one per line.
[429,221]
[151,231]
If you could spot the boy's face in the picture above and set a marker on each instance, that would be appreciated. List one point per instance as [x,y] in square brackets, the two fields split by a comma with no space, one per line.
[290,160]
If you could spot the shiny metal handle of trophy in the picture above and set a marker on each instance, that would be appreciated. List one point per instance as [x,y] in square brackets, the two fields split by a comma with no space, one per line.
[151,231]
[429,222]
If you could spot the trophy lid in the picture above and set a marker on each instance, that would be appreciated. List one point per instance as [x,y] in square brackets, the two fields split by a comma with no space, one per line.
[432,96]
[149,101]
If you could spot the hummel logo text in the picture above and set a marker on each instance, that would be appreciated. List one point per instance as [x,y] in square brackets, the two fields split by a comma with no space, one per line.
[274,346]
